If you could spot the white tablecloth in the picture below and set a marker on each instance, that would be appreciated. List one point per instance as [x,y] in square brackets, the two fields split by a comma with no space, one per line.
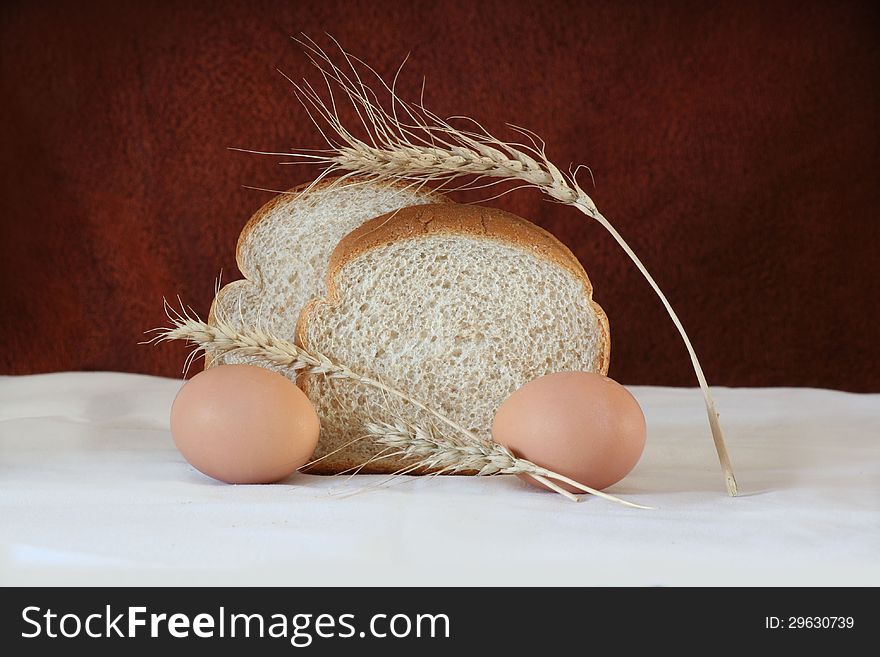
[92,491]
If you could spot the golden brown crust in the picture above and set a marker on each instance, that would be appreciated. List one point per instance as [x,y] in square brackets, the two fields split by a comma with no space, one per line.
[481,222]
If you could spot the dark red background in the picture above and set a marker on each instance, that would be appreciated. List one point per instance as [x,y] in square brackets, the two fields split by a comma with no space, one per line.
[735,145]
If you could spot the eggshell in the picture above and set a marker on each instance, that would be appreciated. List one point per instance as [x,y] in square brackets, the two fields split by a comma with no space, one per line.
[244,424]
[579,424]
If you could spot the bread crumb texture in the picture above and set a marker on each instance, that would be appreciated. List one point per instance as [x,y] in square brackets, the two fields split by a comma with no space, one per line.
[458,306]
[284,249]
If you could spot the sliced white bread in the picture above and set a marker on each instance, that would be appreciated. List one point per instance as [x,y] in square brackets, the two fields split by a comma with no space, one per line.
[456,305]
[284,249]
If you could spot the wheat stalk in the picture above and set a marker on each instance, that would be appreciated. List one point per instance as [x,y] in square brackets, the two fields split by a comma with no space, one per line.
[221,337]
[408,142]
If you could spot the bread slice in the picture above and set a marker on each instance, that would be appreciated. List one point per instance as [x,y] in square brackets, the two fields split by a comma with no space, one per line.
[284,249]
[458,306]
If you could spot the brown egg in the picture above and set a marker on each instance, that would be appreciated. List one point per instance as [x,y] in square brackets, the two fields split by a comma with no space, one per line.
[580,424]
[244,424]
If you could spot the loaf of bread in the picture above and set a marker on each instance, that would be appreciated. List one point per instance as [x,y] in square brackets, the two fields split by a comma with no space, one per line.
[458,306]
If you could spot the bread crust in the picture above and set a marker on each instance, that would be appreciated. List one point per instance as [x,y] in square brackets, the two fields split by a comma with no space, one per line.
[455,218]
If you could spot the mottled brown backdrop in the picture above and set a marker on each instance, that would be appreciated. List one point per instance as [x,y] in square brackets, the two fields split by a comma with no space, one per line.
[735,144]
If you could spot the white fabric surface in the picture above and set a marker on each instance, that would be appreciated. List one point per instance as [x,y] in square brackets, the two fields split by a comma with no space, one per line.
[92,491]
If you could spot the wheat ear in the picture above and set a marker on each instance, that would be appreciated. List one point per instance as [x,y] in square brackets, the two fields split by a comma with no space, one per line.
[221,337]
[431,449]
[408,142]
